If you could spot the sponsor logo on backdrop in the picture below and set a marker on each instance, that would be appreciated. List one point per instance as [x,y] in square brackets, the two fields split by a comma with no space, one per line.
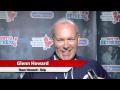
[83,42]
[8,15]
[115,41]
[78,15]
[42,14]
[8,40]
[44,42]
[112,68]
[113,16]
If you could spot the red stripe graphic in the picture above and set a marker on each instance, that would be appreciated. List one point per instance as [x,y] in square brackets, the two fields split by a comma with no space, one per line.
[42,63]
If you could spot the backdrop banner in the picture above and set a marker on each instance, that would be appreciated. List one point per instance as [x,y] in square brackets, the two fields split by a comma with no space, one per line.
[108,41]
[26,35]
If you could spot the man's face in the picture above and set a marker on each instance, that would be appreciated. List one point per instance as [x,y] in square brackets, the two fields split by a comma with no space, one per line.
[65,40]
[110,49]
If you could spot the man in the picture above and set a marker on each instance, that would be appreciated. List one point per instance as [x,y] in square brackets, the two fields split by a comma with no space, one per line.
[65,38]
[108,58]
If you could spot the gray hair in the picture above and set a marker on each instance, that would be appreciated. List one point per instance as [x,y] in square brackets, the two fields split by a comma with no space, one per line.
[64,21]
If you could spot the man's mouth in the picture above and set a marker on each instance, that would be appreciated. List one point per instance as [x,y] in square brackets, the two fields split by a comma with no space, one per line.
[66,53]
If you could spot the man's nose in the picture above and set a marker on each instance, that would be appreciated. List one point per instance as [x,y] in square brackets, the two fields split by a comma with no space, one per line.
[66,45]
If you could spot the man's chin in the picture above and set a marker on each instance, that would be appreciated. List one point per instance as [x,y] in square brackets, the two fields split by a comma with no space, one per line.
[66,59]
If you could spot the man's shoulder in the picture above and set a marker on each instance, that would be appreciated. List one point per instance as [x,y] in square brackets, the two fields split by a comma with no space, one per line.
[49,58]
[84,58]
[89,60]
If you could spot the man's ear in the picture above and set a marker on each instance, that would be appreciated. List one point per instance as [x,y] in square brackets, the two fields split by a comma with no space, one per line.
[52,38]
[78,37]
